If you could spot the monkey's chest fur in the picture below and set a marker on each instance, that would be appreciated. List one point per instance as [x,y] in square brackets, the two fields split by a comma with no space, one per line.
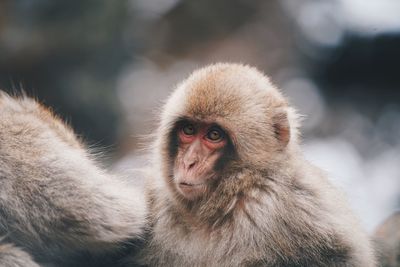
[259,229]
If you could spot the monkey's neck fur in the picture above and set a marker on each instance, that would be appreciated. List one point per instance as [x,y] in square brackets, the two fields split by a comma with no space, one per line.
[253,217]
[241,186]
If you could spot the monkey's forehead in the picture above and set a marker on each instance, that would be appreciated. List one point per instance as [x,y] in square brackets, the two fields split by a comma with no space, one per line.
[225,90]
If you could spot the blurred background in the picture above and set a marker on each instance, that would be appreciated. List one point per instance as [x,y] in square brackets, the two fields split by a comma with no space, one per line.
[106,66]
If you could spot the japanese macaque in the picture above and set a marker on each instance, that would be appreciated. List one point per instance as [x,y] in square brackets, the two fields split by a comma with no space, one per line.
[232,188]
[56,204]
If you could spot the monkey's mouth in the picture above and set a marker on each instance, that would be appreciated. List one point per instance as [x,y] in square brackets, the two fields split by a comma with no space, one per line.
[186,184]
[191,190]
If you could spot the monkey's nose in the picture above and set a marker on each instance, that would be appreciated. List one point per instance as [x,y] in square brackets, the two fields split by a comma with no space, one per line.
[190,163]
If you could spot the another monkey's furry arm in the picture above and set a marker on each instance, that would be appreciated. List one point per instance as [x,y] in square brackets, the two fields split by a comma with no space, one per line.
[11,256]
[55,203]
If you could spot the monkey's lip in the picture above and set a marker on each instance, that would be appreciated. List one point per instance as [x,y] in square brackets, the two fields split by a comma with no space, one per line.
[186,184]
[191,190]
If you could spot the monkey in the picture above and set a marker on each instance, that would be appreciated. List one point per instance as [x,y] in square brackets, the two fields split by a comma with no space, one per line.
[231,187]
[58,206]
[228,186]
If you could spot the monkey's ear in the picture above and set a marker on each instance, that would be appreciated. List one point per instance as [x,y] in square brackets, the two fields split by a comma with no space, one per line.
[281,127]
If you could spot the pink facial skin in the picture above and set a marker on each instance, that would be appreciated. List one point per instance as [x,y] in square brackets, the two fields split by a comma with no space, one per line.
[200,146]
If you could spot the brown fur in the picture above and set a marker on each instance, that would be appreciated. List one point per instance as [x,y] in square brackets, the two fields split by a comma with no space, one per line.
[270,207]
[55,202]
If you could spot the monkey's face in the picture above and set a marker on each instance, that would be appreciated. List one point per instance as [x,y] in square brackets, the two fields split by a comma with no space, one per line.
[200,146]
[221,119]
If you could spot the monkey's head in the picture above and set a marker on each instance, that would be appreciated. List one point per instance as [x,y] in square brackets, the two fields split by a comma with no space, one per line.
[222,119]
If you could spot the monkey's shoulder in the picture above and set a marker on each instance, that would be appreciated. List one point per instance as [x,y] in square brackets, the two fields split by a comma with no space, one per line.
[23,119]
[290,225]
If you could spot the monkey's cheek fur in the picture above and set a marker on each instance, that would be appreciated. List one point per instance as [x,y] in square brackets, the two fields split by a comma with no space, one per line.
[191,191]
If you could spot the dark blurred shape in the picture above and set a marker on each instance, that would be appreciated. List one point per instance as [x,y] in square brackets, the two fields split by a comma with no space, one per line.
[361,74]
[252,32]
[68,55]
[362,70]
[388,241]
[193,24]
[350,49]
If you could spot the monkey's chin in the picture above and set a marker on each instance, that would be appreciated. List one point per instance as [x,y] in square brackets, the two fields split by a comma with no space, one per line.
[191,191]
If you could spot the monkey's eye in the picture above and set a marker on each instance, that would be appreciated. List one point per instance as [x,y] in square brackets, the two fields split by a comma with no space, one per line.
[215,135]
[188,129]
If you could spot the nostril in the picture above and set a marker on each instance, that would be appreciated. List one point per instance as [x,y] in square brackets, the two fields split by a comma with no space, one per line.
[191,165]
[190,162]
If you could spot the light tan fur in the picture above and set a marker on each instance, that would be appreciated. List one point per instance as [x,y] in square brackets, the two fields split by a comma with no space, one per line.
[270,207]
[10,256]
[55,202]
